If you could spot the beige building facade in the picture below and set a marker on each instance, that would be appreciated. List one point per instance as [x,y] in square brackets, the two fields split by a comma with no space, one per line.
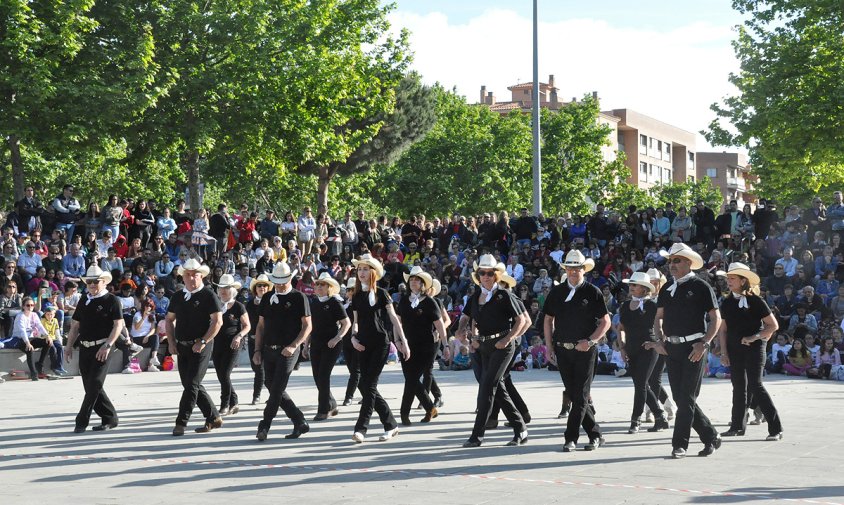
[730,173]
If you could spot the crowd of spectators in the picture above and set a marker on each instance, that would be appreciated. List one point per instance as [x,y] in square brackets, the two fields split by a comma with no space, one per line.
[46,248]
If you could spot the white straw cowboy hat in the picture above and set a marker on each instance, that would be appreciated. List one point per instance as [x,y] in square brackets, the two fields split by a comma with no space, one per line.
[741,270]
[509,281]
[333,285]
[575,259]
[227,281]
[96,273]
[350,283]
[422,275]
[488,262]
[436,287]
[368,260]
[262,280]
[282,274]
[656,275]
[640,279]
[683,251]
[193,265]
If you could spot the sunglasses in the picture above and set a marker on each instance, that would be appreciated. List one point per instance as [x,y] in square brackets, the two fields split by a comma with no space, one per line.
[486,273]
[675,261]
[92,281]
[29,305]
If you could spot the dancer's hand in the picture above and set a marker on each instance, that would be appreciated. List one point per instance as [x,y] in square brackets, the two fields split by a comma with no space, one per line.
[357,345]
[256,358]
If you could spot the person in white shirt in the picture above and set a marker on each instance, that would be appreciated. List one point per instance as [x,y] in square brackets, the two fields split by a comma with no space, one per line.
[515,269]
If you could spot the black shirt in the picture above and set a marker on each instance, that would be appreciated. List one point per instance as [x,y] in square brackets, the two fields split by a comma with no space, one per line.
[283,319]
[494,316]
[325,316]
[418,323]
[96,317]
[576,319]
[231,322]
[638,325]
[685,312]
[743,322]
[193,317]
[252,312]
[373,325]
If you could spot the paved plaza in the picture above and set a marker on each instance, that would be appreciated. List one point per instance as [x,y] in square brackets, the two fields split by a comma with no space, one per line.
[42,461]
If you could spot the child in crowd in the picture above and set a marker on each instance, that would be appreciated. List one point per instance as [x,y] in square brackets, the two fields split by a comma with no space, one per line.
[716,369]
[54,341]
[462,360]
[537,351]
[828,357]
[779,351]
[392,355]
[799,359]
[812,346]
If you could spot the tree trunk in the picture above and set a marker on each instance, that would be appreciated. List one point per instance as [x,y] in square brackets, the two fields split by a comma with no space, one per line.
[18,181]
[192,168]
[325,174]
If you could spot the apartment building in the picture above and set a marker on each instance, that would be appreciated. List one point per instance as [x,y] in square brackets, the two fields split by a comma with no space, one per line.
[730,173]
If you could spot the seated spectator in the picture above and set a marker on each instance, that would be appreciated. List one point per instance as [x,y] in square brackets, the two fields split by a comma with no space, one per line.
[25,332]
[10,306]
[779,351]
[28,262]
[788,262]
[53,346]
[828,357]
[143,333]
[714,367]
[462,360]
[799,360]
[802,316]
[812,346]
[73,263]
[836,305]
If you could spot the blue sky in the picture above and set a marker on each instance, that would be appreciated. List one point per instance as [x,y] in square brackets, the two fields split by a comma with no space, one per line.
[666,59]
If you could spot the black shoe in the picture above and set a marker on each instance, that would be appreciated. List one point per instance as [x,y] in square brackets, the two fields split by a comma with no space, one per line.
[320,417]
[526,417]
[659,425]
[405,421]
[564,413]
[298,431]
[520,439]
[733,433]
[491,424]
[569,447]
[261,435]
[347,402]
[634,427]
[256,400]
[438,402]
[472,442]
[594,444]
[104,427]
[774,437]
[678,453]
[211,425]
[79,429]
[710,448]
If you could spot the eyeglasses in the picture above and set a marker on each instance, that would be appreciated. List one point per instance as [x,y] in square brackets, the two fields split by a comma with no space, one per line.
[92,281]
[29,305]
[486,273]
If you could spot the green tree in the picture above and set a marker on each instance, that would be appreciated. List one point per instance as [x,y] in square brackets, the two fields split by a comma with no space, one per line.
[626,195]
[689,193]
[790,106]
[71,74]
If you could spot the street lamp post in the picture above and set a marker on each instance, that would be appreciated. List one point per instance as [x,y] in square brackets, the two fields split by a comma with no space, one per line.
[537,160]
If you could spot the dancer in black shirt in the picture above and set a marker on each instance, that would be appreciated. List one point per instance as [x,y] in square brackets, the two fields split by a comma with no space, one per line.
[330,324]
[228,342]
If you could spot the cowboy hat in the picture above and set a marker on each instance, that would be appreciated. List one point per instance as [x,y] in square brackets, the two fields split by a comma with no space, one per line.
[509,281]
[741,270]
[282,274]
[368,260]
[227,281]
[194,265]
[333,285]
[684,251]
[575,259]
[436,287]
[350,283]
[96,273]
[488,262]
[640,279]
[262,280]
[422,275]
[656,275]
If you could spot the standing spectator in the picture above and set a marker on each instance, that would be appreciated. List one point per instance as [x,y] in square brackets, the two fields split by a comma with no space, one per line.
[705,223]
[111,216]
[67,210]
[29,211]
[165,224]
[307,230]
[835,213]
[143,223]
[681,227]
[269,226]
[247,228]
[219,227]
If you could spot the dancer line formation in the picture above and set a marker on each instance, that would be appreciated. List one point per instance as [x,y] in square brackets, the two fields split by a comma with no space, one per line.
[665,323]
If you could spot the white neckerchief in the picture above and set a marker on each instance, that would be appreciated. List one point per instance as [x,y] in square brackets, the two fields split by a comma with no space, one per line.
[641,302]
[274,298]
[189,293]
[572,290]
[227,305]
[415,298]
[673,288]
[742,300]
[324,299]
[487,293]
[99,295]
[372,300]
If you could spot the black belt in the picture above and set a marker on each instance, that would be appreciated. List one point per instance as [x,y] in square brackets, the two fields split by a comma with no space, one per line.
[566,345]
[186,343]
[275,347]
[91,343]
[484,338]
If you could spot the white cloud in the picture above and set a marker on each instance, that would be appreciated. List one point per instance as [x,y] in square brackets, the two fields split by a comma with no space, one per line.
[672,75]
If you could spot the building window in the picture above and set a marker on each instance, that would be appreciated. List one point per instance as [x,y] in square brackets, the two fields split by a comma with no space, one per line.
[643,140]
[712,172]
[643,167]
[691,156]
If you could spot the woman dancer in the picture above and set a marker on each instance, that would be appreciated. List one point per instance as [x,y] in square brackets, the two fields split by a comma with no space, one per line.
[419,314]
[350,356]
[655,380]
[330,323]
[259,288]
[229,342]
[637,327]
[746,325]
[372,310]
[494,313]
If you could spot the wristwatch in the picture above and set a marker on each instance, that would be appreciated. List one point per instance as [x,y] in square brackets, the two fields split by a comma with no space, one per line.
[202,341]
[108,346]
[707,345]
[592,343]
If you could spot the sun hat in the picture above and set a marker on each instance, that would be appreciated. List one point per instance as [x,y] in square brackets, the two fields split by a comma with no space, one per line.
[194,265]
[575,259]
[368,260]
[227,281]
[262,280]
[684,251]
[333,285]
[422,275]
[640,279]
[488,262]
[741,270]
[282,274]
[96,273]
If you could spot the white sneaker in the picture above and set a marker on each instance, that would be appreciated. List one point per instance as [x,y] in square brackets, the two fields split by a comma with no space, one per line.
[669,410]
[649,417]
[127,370]
[388,434]
[152,368]
[621,372]
[136,349]
[154,361]
[358,437]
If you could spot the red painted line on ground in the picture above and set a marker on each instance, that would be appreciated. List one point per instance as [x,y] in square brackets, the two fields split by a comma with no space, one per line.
[422,473]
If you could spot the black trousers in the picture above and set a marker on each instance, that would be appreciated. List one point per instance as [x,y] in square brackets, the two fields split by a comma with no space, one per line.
[422,355]
[277,370]
[577,370]
[493,364]
[371,362]
[93,374]
[192,368]
[655,380]
[225,358]
[641,366]
[258,381]
[518,401]
[685,377]
[352,359]
[746,364]
[430,381]
[323,359]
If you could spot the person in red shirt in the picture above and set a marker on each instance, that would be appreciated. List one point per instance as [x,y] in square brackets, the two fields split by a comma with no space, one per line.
[246,228]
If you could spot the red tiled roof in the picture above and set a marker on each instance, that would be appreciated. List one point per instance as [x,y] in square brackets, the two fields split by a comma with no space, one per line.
[505,106]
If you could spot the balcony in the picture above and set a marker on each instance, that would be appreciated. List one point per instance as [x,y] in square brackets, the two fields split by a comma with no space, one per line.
[736,183]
